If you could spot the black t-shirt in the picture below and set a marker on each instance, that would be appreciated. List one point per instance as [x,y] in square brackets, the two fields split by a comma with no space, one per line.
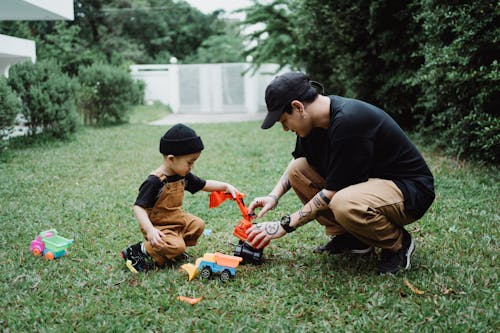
[150,189]
[361,142]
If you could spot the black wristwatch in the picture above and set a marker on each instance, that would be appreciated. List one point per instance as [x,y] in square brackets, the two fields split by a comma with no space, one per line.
[285,223]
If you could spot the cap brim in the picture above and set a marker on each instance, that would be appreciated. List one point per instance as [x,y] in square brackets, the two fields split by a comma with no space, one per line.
[271,119]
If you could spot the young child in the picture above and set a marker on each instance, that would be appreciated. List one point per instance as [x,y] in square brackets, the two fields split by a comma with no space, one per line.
[167,229]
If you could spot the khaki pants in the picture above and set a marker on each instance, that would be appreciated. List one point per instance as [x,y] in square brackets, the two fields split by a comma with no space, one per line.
[372,211]
[181,229]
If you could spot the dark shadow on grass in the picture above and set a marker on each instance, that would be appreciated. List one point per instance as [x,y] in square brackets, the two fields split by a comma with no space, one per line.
[356,265]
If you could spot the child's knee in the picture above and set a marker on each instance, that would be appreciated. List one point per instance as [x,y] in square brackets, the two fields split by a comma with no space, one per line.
[195,228]
[198,225]
[178,250]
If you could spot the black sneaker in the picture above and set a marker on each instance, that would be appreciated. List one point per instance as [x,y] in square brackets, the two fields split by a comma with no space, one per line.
[182,258]
[136,260]
[392,262]
[344,244]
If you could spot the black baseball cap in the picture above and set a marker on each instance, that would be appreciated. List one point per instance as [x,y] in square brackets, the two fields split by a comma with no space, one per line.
[282,90]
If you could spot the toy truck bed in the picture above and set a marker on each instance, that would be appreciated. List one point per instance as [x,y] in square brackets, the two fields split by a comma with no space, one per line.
[219,263]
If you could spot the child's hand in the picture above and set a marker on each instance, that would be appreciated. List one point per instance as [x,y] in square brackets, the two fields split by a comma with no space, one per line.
[231,189]
[155,237]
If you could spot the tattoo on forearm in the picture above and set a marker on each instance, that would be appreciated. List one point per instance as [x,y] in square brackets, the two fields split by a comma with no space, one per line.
[305,212]
[272,228]
[323,196]
[317,202]
[285,182]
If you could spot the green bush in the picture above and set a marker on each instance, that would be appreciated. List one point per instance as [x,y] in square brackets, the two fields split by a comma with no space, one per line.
[48,98]
[433,65]
[9,108]
[108,94]
[363,49]
[138,90]
[461,76]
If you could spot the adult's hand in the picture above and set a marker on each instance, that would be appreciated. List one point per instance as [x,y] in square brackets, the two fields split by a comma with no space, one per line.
[267,203]
[261,234]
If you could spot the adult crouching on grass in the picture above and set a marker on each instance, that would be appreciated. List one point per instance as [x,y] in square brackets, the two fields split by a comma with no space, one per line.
[354,169]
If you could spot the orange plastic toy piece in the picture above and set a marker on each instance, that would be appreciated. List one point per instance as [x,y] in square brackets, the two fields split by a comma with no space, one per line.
[227,260]
[240,231]
[189,300]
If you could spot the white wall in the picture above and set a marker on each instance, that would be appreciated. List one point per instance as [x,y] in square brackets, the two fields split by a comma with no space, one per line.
[39,10]
[14,50]
[206,88]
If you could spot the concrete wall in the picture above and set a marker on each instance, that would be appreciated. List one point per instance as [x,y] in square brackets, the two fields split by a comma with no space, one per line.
[14,50]
[206,88]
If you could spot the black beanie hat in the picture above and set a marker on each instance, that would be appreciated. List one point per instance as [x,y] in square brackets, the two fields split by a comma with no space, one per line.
[180,140]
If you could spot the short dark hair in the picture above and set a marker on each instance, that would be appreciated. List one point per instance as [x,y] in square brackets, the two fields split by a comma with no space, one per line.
[308,97]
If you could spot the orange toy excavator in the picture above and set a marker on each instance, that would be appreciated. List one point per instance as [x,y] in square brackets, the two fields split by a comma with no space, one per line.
[243,249]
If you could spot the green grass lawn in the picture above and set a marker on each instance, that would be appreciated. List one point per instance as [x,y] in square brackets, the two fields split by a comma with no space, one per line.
[85,189]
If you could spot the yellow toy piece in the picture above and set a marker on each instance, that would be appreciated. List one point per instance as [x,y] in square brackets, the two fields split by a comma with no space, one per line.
[213,263]
[131,267]
[191,269]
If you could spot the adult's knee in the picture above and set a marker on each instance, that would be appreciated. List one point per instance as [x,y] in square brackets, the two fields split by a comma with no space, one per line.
[343,206]
[296,170]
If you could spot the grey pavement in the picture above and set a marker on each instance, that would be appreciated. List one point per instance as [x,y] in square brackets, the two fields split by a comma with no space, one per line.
[193,118]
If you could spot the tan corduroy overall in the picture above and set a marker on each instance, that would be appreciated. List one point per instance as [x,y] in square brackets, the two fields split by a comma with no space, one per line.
[180,228]
[372,211]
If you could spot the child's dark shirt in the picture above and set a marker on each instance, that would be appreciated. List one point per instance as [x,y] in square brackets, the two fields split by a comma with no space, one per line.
[150,189]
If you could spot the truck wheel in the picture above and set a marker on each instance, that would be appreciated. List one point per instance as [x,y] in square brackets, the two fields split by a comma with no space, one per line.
[37,252]
[225,275]
[206,273]
[49,256]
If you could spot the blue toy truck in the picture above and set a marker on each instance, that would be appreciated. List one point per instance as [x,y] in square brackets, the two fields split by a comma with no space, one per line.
[218,263]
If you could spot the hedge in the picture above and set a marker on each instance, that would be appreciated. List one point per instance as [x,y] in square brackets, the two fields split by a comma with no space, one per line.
[48,96]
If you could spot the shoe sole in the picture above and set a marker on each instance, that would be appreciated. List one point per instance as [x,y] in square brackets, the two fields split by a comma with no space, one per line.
[363,251]
[123,254]
[409,253]
[348,252]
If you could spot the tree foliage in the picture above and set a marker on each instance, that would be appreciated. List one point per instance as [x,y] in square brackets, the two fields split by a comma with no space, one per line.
[429,63]
[222,47]
[122,32]
[461,75]
[273,37]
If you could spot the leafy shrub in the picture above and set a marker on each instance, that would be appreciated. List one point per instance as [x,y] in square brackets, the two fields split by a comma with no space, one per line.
[108,94]
[138,90]
[364,49]
[461,76]
[9,108]
[430,64]
[48,97]
[357,48]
